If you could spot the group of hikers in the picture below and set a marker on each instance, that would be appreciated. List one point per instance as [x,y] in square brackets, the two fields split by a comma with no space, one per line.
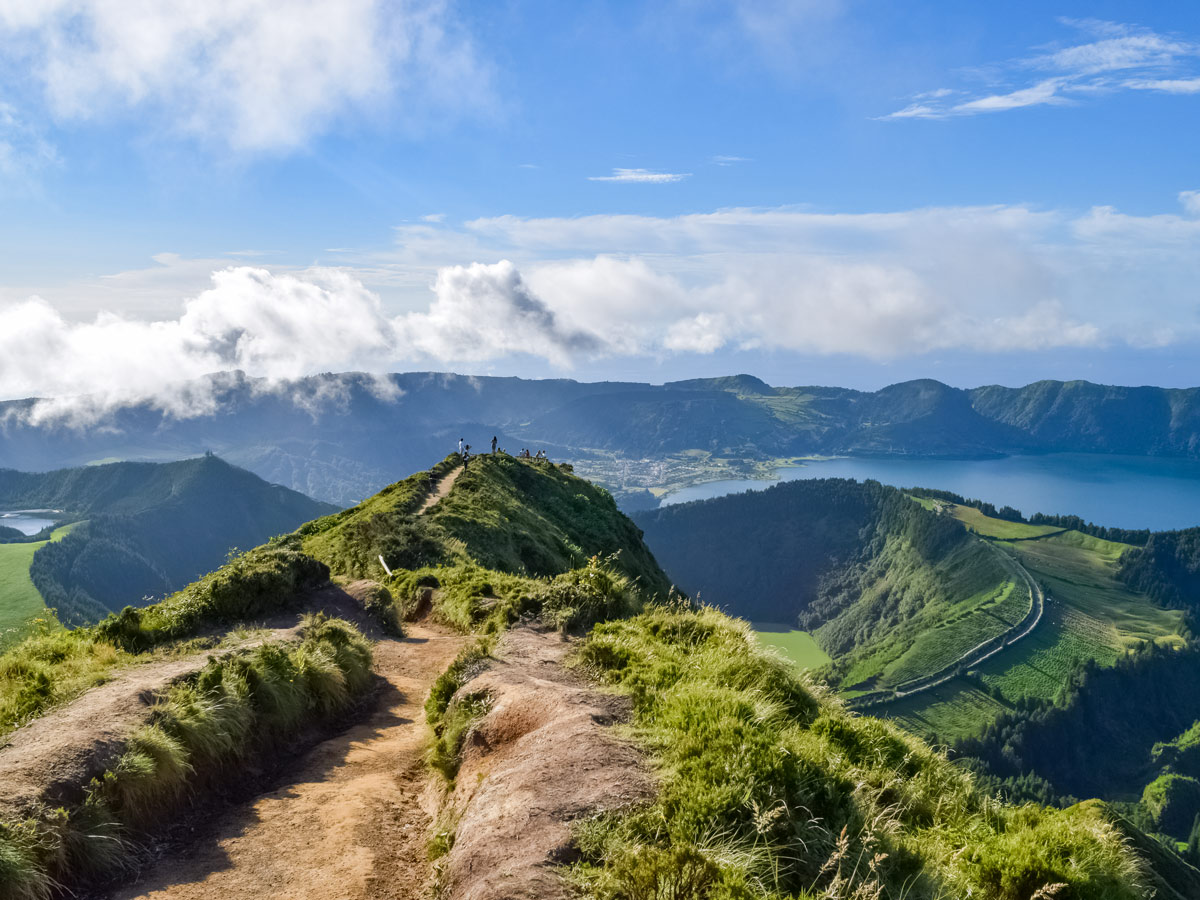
[464,451]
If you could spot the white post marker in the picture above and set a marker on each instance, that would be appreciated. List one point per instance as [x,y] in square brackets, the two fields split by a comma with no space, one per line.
[385,568]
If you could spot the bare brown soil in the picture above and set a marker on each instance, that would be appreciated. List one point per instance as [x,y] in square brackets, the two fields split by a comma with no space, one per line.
[543,757]
[442,489]
[348,822]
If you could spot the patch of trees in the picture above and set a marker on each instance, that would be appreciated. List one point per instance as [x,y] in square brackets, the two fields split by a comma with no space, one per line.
[1167,568]
[150,528]
[796,549]
[101,566]
[1135,536]
[1097,738]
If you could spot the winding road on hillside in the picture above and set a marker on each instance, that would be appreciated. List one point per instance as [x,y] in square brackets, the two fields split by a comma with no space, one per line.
[977,654]
[347,822]
[992,646]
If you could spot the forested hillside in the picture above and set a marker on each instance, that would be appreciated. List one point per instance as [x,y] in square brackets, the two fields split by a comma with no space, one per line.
[892,590]
[1129,732]
[337,437]
[1167,568]
[147,529]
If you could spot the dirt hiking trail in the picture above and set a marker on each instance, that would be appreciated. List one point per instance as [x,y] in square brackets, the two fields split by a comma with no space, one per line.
[442,489]
[349,820]
[51,758]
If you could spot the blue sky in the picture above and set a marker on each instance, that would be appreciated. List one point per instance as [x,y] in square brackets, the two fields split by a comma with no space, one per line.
[818,191]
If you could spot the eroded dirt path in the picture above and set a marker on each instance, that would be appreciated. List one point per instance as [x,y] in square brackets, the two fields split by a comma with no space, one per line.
[348,822]
[442,489]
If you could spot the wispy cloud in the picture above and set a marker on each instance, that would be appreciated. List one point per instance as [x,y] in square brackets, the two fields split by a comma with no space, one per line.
[24,151]
[1167,85]
[256,75]
[1113,57]
[641,176]
[730,160]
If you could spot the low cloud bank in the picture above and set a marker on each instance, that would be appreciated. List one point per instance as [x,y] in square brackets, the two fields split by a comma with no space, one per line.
[880,287]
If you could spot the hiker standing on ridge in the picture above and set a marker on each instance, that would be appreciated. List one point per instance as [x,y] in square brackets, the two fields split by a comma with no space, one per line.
[460,446]
[493,445]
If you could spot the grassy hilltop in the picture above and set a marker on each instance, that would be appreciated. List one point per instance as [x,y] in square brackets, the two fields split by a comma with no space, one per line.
[768,787]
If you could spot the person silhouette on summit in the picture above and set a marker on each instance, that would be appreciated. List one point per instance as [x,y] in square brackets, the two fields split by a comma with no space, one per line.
[460,446]
[493,445]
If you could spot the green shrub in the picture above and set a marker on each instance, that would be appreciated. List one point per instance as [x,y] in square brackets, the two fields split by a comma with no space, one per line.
[48,669]
[259,582]
[587,595]
[22,876]
[468,662]
[380,605]
[1172,803]
[463,712]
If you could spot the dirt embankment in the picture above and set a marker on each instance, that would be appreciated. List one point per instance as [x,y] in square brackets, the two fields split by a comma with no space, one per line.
[542,758]
[347,822]
[52,759]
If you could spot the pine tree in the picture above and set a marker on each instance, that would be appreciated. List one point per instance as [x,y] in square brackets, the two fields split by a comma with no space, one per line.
[1193,844]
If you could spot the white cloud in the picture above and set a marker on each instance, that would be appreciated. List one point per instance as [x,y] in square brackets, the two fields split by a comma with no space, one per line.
[730,160]
[1041,93]
[1167,85]
[641,176]
[486,311]
[255,74]
[703,333]
[878,286]
[1145,59]
[277,326]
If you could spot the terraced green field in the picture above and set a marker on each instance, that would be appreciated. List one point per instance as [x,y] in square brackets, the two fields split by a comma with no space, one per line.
[1089,615]
[965,600]
[954,709]
[999,528]
[974,621]
[798,646]
[20,602]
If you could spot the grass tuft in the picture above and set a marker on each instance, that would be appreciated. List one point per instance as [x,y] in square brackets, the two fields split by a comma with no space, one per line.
[769,788]
[249,702]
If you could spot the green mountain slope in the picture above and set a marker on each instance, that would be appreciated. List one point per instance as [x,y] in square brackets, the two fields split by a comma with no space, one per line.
[149,528]
[504,513]
[891,590]
[767,787]
[338,437]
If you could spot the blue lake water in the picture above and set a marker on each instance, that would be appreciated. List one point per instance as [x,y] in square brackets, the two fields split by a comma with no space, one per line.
[27,521]
[1121,491]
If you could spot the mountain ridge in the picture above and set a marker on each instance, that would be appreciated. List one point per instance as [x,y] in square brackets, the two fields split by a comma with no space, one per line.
[337,437]
[147,528]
